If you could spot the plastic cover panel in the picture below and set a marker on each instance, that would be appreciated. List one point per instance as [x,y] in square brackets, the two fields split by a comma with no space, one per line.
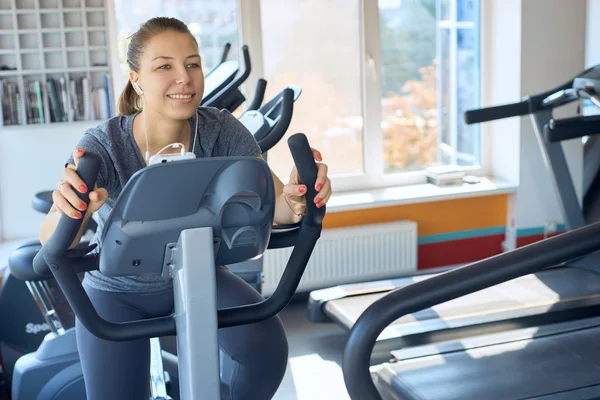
[234,196]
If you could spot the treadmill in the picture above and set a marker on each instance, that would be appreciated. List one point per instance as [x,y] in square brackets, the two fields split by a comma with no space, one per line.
[572,287]
[557,361]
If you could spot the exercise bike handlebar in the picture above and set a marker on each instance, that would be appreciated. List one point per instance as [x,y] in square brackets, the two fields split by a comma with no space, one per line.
[571,128]
[57,246]
[62,262]
[259,95]
[287,110]
[225,53]
[448,286]
[233,85]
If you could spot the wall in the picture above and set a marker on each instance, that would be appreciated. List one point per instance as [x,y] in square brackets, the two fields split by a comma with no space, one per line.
[552,34]
[31,160]
[532,46]
[592,33]
[450,231]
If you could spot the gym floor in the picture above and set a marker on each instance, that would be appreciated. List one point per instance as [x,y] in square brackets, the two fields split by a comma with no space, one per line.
[314,367]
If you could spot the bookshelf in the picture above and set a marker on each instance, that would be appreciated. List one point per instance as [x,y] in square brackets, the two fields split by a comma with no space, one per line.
[55,61]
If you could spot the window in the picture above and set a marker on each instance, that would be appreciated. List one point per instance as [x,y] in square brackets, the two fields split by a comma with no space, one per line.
[393,77]
[213,23]
[430,77]
[385,83]
[303,45]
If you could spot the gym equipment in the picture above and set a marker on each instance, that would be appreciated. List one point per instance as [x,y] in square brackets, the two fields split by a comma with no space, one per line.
[42,308]
[554,361]
[572,289]
[225,218]
[224,56]
[221,86]
[23,332]
[268,124]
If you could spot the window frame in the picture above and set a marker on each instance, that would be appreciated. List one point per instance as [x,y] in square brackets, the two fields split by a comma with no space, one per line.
[374,176]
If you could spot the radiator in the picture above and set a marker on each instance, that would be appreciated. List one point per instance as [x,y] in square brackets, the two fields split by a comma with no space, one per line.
[350,255]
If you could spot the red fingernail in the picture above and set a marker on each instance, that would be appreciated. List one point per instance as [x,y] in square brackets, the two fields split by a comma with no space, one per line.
[78,214]
[317,200]
[83,206]
[79,150]
[319,187]
[83,188]
[302,189]
[319,158]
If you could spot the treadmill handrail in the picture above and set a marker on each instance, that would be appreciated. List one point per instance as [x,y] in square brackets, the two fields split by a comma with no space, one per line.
[528,105]
[571,128]
[448,286]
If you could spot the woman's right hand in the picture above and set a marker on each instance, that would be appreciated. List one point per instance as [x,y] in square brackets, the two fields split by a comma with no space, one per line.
[65,198]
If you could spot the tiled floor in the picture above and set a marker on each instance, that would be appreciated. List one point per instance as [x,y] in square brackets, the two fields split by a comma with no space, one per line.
[314,371]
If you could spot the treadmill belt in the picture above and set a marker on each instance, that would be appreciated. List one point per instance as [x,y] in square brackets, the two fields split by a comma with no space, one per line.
[562,366]
[528,295]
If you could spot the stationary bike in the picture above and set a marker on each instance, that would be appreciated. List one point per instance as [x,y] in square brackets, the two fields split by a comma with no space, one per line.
[232,224]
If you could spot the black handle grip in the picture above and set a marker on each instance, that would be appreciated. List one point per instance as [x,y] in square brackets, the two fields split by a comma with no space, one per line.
[307,170]
[279,130]
[496,112]
[225,52]
[259,95]
[571,128]
[67,228]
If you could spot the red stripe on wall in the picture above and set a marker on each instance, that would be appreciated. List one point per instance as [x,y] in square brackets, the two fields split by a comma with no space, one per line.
[526,240]
[451,252]
[461,251]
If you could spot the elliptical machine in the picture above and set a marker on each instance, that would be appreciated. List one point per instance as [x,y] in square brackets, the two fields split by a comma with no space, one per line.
[225,218]
[42,305]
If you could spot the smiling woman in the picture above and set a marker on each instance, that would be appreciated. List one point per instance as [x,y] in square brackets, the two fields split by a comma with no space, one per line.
[159,107]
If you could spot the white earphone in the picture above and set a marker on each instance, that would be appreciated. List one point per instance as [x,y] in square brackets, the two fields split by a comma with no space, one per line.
[172,145]
[137,87]
[139,90]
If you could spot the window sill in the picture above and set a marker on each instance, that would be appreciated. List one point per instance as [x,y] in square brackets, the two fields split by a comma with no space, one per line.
[393,196]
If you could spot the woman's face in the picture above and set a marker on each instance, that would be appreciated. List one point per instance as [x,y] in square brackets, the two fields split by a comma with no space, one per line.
[171,75]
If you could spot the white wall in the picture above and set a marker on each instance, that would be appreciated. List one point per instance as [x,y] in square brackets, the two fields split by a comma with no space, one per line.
[592,33]
[553,51]
[31,160]
[533,46]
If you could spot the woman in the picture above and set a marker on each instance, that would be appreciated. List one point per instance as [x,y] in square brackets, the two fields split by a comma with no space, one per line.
[159,107]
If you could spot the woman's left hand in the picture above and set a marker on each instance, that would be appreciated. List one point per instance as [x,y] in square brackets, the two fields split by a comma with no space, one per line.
[295,192]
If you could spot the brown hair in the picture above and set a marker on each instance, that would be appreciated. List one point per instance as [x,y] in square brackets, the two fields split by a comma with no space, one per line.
[128,103]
